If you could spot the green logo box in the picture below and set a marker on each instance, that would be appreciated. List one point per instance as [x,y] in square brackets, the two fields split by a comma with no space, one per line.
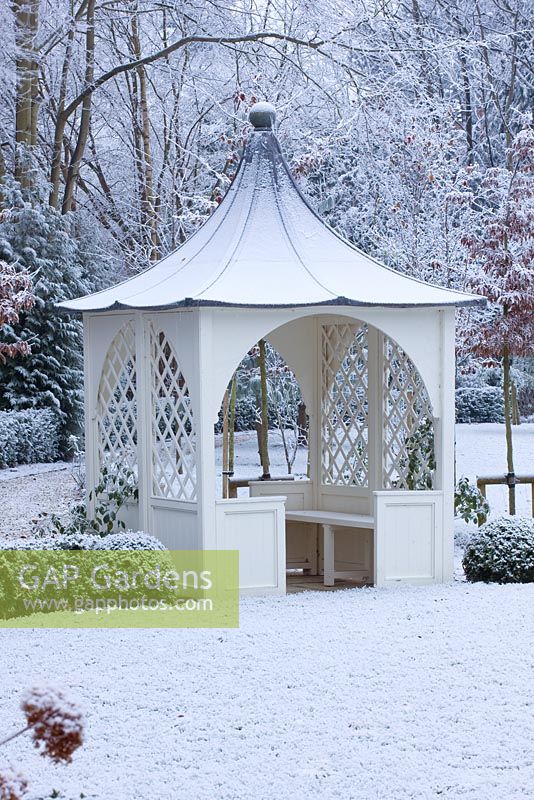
[119,589]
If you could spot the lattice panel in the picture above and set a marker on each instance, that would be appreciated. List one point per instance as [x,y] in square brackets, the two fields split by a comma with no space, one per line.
[117,401]
[344,424]
[408,457]
[173,434]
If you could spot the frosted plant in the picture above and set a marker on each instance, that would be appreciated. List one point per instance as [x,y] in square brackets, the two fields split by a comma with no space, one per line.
[56,726]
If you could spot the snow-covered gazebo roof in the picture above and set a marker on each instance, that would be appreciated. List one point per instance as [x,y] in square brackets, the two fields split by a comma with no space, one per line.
[264,246]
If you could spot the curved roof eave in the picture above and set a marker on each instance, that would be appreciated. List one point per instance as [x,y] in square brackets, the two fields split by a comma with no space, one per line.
[266,247]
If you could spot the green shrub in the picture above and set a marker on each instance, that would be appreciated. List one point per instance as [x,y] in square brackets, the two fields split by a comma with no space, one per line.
[501,551]
[469,502]
[132,551]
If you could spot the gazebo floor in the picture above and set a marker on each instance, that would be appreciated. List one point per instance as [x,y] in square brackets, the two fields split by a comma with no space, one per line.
[296,582]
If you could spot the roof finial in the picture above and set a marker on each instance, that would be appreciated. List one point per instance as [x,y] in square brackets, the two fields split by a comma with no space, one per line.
[262,116]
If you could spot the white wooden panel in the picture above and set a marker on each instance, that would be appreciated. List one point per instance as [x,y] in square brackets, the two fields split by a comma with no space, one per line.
[175,524]
[129,514]
[299,494]
[408,533]
[255,527]
[301,538]
[345,499]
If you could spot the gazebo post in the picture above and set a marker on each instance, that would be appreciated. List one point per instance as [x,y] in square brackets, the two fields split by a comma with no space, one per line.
[144,416]
[445,437]
[375,398]
[201,387]
[89,400]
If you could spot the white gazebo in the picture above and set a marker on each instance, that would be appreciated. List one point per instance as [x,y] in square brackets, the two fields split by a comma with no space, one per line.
[373,351]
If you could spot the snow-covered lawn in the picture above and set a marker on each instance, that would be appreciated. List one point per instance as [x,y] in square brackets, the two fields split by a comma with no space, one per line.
[481,450]
[357,695]
[361,694]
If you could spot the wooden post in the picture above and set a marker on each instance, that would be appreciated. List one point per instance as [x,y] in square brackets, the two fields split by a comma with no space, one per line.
[516,420]
[225,445]
[231,425]
[144,420]
[508,428]
[264,433]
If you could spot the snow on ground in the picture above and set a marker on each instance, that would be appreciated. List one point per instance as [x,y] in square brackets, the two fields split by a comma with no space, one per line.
[30,490]
[361,694]
[481,450]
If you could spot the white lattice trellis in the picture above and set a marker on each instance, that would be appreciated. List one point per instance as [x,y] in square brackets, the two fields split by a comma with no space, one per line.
[408,456]
[117,401]
[173,434]
[344,424]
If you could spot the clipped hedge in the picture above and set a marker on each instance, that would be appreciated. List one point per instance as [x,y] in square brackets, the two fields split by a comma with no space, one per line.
[501,551]
[479,404]
[133,551]
[28,437]
[124,540]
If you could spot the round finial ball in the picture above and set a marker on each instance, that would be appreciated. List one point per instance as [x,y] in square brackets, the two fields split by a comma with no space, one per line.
[262,115]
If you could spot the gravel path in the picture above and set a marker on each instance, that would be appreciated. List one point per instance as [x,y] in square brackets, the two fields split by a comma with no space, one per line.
[24,496]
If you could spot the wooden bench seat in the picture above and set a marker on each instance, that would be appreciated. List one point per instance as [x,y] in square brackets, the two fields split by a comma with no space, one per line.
[331,520]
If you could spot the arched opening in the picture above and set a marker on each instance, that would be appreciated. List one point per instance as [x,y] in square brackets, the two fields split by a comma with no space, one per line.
[243,453]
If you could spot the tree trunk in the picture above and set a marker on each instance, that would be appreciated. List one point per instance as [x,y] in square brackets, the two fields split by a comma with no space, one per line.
[26,13]
[85,121]
[231,425]
[508,427]
[225,444]
[302,423]
[264,432]
[147,189]
[516,419]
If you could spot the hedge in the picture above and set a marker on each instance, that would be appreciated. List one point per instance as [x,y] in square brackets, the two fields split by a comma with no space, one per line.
[479,404]
[27,437]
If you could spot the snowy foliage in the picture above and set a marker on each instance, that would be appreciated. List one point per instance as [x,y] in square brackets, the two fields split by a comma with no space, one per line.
[469,502]
[128,540]
[502,551]
[28,437]
[41,241]
[484,404]
[501,247]
[15,296]
[125,540]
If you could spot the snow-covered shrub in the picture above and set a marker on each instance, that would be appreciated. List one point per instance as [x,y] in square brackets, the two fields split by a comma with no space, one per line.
[133,552]
[475,404]
[28,437]
[247,415]
[502,551]
[127,540]
[469,502]
[47,541]
[525,398]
